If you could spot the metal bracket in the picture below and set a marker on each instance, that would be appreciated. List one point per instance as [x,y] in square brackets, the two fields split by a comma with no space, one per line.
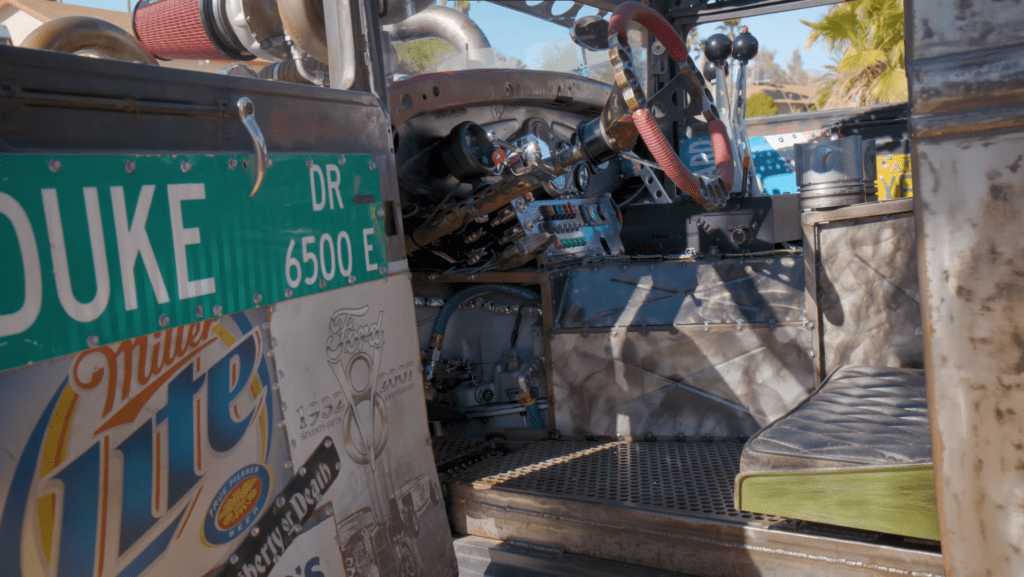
[653,185]
[664,102]
[245,111]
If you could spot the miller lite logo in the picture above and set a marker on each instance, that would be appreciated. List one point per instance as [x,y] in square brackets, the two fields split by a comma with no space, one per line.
[148,447]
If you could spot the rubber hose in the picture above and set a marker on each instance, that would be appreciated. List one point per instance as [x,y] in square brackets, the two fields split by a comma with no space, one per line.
[441,324]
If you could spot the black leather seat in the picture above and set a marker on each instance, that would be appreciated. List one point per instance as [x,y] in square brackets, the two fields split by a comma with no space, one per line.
[862,415]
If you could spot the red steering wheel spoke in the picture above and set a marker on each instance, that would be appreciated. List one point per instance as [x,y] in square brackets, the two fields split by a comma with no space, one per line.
[712,194]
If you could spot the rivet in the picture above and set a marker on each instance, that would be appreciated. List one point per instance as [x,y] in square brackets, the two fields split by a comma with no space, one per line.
[280,502]
[129,166]
[294,444]
[289,293]
[186,166]
[232,163]
[255,531]
[328,442]
[341,160]
[707,326]
[199,311]
[54,165]
[383,270]
[351,279]
[287,464]
[92,341]
[380,212]
[164,321]
[373,165]
[302,471]
[309,163]
[233,559]
[257,298]
[323,283]
[218,311]
[337,466]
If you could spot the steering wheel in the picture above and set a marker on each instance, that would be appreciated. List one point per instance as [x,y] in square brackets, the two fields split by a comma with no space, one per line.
[710,193]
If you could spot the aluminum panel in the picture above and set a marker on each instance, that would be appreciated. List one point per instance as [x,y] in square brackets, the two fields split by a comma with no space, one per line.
[349,369]
[730,380]
[866,289]
[761,290]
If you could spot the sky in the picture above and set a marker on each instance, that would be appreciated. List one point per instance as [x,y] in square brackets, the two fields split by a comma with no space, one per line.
[530,39]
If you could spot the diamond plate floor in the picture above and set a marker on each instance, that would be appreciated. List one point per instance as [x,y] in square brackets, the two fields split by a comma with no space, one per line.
[689,478]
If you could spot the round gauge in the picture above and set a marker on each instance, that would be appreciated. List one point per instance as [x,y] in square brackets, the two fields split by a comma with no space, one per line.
[582,177]
[468,152]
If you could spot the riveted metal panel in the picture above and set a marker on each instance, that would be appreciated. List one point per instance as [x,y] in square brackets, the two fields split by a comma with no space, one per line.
[754,290]
[727,380]
[864,295]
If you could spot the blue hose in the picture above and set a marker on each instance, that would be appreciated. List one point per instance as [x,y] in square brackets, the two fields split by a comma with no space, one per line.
[441,324]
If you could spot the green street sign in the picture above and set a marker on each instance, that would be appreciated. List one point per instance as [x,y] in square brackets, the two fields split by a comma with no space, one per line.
[101,248]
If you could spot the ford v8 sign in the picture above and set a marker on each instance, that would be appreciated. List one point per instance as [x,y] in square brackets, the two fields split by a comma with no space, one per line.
[100,248]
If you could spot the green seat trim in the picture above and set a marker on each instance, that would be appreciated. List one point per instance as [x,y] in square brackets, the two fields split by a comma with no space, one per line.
[897,499]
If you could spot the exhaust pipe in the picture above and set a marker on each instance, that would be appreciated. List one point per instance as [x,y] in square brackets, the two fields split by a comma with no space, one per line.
[448,24]
[87,36]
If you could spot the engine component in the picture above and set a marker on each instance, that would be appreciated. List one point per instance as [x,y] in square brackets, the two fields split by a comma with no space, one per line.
[87,36]
[468,153]
[830,173]
[441,323]
[287,70]
[579,227]
[449,25]
[204,30]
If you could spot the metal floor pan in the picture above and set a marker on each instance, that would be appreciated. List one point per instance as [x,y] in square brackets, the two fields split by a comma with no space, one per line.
[662,505]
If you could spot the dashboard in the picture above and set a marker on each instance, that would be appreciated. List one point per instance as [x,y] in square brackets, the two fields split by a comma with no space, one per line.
[481,189]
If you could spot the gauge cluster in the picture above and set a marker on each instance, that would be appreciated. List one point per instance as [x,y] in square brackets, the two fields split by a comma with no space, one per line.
[492,196]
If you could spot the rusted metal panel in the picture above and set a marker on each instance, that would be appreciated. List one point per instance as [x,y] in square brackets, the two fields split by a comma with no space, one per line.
[965,78]
[973,275]
[864,295]
[721,380]
[936,28]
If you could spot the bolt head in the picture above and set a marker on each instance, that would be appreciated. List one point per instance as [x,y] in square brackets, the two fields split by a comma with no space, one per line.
[129,166]
[232,163]
[323,283]
[199,311]
[257,298]
[92,341]
[309,163]
[218,311]
[164,320]
[54,165]
[341,160]
[351,279]
[328,442]
[373,165]
[255,531]
[186,166]
[233,559]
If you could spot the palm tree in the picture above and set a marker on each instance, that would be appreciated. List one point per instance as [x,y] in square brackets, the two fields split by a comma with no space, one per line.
[729,27]
[866,40]
[460,5]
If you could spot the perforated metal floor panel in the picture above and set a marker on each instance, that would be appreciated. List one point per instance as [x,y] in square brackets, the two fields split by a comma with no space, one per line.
[690,478]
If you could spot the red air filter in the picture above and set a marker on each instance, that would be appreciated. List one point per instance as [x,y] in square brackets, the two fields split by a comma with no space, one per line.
[185,30]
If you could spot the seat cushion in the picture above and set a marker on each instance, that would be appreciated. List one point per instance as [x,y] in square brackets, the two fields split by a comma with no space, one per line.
[862,415]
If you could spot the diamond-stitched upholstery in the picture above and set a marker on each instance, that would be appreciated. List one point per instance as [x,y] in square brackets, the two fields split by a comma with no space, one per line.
[862,415]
